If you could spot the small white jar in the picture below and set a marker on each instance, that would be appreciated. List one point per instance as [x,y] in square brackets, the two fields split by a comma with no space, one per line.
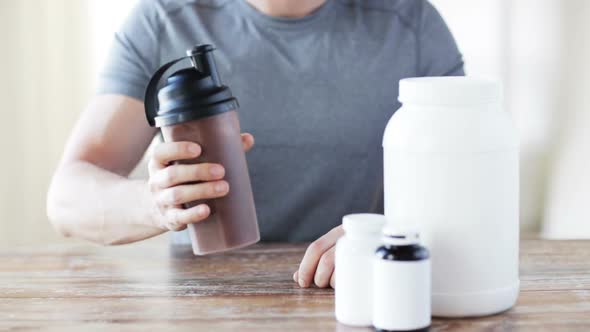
[401,283]
[355,253]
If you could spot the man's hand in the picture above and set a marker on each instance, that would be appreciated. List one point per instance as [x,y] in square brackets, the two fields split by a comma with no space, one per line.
[172,184]
[317,265]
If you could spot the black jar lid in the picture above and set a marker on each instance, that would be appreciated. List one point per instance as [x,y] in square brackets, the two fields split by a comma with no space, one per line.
[401,245]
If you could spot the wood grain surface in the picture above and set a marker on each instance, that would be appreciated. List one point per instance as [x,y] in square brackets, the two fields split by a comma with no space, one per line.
[147,288]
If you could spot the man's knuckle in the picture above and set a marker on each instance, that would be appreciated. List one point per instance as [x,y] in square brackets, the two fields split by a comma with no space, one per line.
[175,195]
[163,210]
[152,184]
[325,262]
[320,243]
[161,199]
[172,223]
[182,148]
[204,170]
[319,280]
[211,189]
[159,153]
[329,257]
[151,164]
[171,175]
[315,247]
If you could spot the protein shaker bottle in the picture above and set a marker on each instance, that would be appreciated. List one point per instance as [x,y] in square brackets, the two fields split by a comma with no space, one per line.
[193,105]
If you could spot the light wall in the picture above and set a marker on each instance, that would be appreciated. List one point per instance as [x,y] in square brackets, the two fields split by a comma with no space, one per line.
[519,43]
[567,207]
[46,78]
[539,49]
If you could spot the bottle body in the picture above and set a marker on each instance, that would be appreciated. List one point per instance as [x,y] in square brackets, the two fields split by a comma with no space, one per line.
[451,170]
[232,223]
[473,233]
[354,268]
[401,280]
[354,291]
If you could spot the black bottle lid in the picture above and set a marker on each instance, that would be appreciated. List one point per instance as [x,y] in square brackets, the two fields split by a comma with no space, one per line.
[401,246]
[189,94]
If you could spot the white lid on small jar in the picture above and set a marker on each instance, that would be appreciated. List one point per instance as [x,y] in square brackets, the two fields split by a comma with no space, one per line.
[449,91]
[363,223]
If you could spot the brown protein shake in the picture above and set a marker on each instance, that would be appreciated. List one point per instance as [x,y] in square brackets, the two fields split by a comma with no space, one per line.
[194,106]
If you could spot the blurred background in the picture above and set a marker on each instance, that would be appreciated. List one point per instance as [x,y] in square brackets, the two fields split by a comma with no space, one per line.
[52,51]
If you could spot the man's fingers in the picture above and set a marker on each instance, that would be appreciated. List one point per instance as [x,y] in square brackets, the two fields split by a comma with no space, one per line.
[325,268]
[178,174]
[314,252]
[333,280]
[247,141]
[192,192]
[178,219]
[167,152]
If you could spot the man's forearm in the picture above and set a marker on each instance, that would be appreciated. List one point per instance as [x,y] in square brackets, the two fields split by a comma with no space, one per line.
[89,202]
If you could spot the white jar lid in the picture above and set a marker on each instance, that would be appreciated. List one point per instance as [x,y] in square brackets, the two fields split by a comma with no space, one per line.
[449,90]
[364,223]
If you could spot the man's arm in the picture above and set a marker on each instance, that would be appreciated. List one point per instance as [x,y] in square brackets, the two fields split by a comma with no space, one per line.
[90,196]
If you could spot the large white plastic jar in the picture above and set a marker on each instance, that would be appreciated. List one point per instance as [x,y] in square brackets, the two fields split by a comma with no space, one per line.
[451,170]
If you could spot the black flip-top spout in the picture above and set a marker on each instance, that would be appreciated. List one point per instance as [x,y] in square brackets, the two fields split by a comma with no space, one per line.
[202,59]
[189,93]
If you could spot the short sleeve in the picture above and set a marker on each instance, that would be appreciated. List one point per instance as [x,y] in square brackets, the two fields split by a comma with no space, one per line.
[438,52]
[134,55]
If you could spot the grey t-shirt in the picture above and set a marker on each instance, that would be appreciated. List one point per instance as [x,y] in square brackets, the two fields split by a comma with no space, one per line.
[316,92]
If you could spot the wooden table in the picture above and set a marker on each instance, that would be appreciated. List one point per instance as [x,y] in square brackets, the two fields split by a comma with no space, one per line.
[148,288]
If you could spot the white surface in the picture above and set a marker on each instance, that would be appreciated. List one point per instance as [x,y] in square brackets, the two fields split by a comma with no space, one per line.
[452,172]
[448,91]
[393,238]
[353,268]
[462,304]
[446,128]
[363,223]
[401,300]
